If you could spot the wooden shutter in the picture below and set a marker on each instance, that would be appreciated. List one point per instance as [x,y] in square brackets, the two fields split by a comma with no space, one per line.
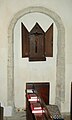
[25,41]
[49,42]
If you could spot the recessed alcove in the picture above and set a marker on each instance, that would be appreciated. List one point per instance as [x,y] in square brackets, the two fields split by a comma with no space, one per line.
[36,71]
[59,63]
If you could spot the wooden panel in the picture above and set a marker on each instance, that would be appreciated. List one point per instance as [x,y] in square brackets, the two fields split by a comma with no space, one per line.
[29,86]
[71,100]
[36,44]
[49,42]
[1,113]
[29,115]
[25,41]
[42,89]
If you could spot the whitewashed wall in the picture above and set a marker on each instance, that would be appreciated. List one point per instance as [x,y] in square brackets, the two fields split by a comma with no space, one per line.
[7,11]
[26,71]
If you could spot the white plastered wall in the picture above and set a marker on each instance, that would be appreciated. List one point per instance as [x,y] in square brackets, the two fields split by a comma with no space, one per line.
[26,71]
[60,59]
[7,11]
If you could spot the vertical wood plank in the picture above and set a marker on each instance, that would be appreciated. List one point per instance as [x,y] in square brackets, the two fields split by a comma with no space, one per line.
[49,42]
[25,41]
[71,100]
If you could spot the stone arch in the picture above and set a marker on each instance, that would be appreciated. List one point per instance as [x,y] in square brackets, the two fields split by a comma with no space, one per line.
[60,60]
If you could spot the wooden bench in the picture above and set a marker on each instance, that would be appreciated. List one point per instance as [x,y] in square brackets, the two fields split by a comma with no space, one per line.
[71,101]
[40,91]
[1,113]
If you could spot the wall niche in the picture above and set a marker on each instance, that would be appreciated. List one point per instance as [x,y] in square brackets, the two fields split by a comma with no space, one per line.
[13,100]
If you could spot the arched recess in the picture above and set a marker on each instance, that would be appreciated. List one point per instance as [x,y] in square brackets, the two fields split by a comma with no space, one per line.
[60,60]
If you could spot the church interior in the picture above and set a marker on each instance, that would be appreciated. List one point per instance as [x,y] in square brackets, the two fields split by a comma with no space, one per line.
[35,60]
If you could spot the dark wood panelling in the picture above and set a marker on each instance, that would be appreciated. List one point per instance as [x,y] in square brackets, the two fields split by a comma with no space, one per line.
[1,113]
[25,41]
[37,44]
[71,100]
[43,91]
[42,88]
[49,42]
